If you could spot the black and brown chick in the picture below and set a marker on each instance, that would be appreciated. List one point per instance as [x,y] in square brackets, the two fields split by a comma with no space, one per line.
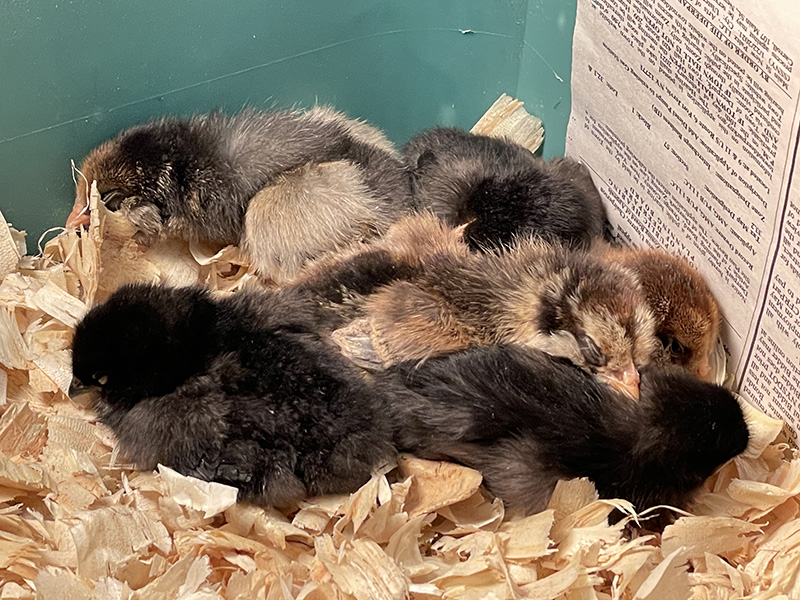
[541,295]
[239,390]
[525,420]
[502,191]
[289,185]
[687,317]
[342,281]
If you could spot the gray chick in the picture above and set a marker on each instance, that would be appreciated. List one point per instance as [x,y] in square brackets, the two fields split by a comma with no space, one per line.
[318,180]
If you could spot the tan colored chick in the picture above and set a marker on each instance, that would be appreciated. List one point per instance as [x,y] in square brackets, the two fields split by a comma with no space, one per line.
[343,280]
[545,296]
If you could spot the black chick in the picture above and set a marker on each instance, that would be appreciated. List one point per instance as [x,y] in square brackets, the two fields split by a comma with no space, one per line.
[239,390]
[526,420]
[502,190]
[194,179]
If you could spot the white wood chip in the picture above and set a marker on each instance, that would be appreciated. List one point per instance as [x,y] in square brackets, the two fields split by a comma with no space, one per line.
[209,497]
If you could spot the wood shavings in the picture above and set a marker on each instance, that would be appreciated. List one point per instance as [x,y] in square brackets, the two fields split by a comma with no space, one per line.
[206,496]
[763,430]
[694,536]
[527,538]
[54,584]
[24,477]
[106,537]
[226,268]
[362,569]
[58,303]
[437,484]
[669,580]
[22,431]
[13,350]
[3,387]
[475,513]
[9,251]
[481,575]
[507,118]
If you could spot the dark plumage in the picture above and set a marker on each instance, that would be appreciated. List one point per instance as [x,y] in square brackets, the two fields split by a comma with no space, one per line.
[502,190]
[318,181]
[426,293]
[239,390]
[525,420]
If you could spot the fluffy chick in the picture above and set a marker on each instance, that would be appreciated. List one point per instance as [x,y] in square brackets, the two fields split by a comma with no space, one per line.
[541,295]
[526,420]
[239,390]
[343,280]
[687,317]
[329,202]
[195,179]
[501,190]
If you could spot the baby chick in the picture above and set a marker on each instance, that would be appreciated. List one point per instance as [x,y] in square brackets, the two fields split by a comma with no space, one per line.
[335,179]
[239,390]
[501,190]
[329,202]
[541,295]
[343,280]
[687,317]
[526,420]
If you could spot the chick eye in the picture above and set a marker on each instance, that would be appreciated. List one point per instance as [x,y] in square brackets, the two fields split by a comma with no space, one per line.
[113,199]
[426,158]
[591,351]
[673,346]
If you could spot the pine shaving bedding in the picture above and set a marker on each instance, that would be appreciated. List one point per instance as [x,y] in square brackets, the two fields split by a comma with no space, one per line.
[74,523]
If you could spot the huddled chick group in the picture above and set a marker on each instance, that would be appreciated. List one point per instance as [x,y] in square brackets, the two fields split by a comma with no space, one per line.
[516,337]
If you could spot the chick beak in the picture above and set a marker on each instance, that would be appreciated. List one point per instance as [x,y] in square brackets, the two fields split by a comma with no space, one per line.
[625,380]
[79,217]
[703,371]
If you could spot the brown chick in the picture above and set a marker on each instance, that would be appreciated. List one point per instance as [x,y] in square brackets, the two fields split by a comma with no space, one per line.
[343,280]
[545,296]
[687,317]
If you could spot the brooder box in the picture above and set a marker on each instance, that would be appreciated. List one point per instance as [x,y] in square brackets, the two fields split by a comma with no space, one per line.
[76,524]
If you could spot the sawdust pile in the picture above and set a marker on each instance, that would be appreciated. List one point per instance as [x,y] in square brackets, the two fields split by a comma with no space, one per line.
[76,524]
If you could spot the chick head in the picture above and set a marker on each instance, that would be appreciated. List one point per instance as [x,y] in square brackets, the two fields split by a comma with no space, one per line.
[143,341]
[599,317]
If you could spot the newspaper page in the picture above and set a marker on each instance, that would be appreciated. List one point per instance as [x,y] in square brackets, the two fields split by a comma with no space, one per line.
[686,111]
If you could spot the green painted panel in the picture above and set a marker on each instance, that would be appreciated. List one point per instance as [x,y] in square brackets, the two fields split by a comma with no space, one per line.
[546,66]
[74,72]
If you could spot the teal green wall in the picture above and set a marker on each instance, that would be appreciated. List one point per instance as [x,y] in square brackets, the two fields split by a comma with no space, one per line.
[546,68]
[75,72]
